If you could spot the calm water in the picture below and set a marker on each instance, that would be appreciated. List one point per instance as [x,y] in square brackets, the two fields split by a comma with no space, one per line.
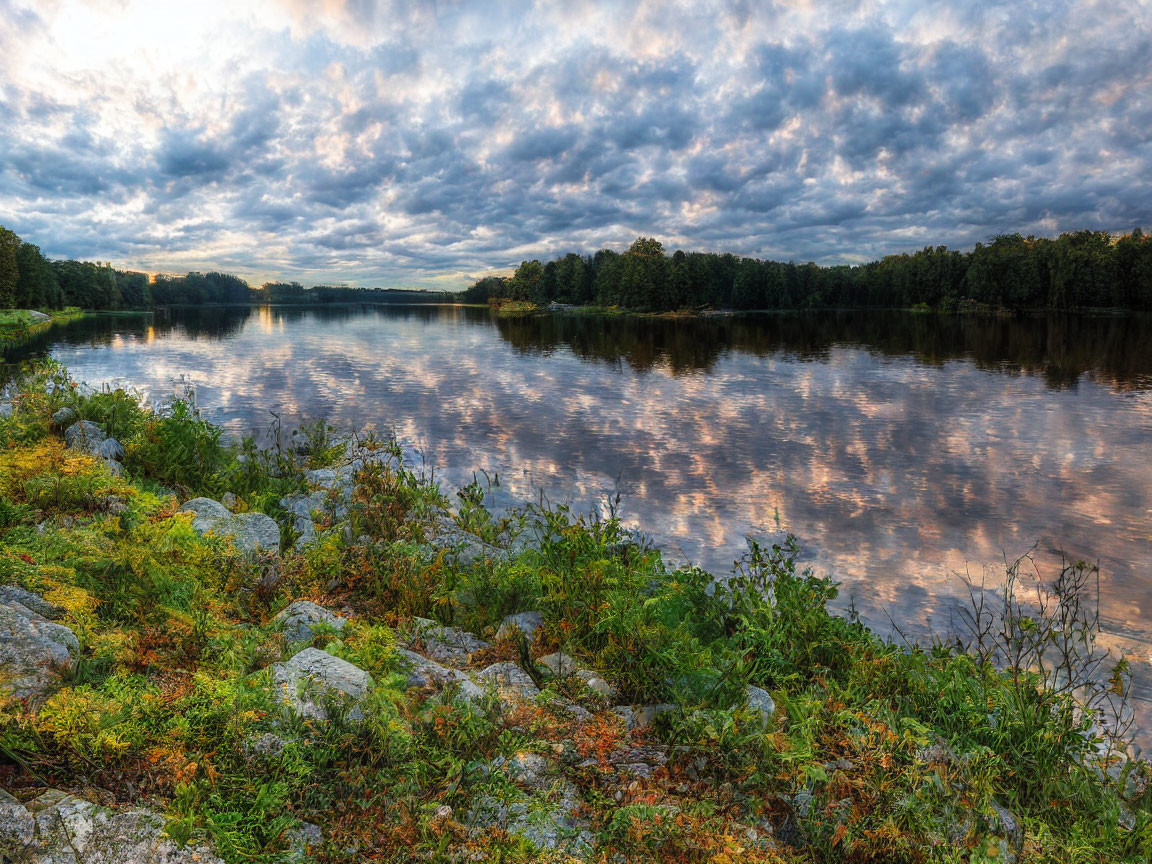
[900,448]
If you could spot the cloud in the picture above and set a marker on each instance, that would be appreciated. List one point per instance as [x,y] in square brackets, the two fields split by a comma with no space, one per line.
[383,143]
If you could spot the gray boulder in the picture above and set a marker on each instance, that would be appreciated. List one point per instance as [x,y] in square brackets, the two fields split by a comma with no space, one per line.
[84,435]
[525,622]
[34,652]
[642,716]
[17,827]
[34,602]
[58,828]
[249,532]
[547,813]
[445,644]
[110,448]
[37,316]
[303,840]
[304,683]
[64,418]
[759,701]
[298,621]
[562,665]
[511,682]
[6,410]
[423,672]
[208,515]
[114,467]
[254,532]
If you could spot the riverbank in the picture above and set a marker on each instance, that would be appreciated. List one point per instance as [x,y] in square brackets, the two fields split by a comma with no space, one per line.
[19,325]
[646,714]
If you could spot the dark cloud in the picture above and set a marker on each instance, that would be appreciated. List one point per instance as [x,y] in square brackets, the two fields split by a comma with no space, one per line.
[389,143]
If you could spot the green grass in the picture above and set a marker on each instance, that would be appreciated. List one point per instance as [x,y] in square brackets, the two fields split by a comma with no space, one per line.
[17,325]
[877,752]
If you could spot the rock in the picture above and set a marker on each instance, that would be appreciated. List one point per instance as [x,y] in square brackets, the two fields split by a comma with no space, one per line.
[33,652]
[530,770]
[549,814]
[208,515]
[110,448]
[70,830]
[428,673]
[17,827]
[306,681]
[34,602]
[84,435]
[114,467]
[64,417]
[759,701]
[1004,824]
[637,717]
[511,681]
[298,621]
[525,622]
[559,663]
[37,316]
[303,841]
[250,532]
[269,744]
[562,665]
[254,532]
[445,644]
[463,548]
[6,410]
[302,505]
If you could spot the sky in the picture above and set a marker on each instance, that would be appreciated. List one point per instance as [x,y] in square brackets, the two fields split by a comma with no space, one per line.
[428,144]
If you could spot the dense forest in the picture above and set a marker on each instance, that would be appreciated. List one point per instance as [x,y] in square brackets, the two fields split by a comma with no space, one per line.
[29,280]
[1085,269]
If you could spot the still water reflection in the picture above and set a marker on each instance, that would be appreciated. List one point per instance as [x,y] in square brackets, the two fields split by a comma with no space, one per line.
[899,447]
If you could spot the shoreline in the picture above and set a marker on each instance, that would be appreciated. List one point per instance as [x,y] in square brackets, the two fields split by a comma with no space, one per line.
[711,716]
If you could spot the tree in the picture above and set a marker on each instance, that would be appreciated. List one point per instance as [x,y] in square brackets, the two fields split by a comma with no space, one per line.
[9,270]
[37,286]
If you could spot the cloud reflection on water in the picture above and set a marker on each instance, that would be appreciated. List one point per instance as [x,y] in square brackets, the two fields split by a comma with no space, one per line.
[900,448]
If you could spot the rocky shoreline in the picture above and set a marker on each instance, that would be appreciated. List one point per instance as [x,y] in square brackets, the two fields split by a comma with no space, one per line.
[601,706]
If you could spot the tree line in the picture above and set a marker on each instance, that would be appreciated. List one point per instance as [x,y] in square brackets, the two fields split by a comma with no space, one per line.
[1077,270]
[29,280]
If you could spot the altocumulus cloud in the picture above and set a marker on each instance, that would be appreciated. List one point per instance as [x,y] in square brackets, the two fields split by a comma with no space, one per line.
[383,143]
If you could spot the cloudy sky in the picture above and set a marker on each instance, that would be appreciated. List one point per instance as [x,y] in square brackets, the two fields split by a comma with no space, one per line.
[426,144]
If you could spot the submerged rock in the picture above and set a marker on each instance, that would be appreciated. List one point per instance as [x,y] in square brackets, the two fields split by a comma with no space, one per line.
[58,828]
[34,652]
[305,682]
[298,621]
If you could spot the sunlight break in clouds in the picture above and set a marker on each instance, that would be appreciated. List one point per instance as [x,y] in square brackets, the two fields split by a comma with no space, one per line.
[426,144]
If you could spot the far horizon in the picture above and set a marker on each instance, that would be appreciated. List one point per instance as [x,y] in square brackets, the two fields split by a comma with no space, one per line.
[426,147]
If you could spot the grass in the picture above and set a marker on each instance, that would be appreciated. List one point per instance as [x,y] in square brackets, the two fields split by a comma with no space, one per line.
[17,325]
[876,752]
